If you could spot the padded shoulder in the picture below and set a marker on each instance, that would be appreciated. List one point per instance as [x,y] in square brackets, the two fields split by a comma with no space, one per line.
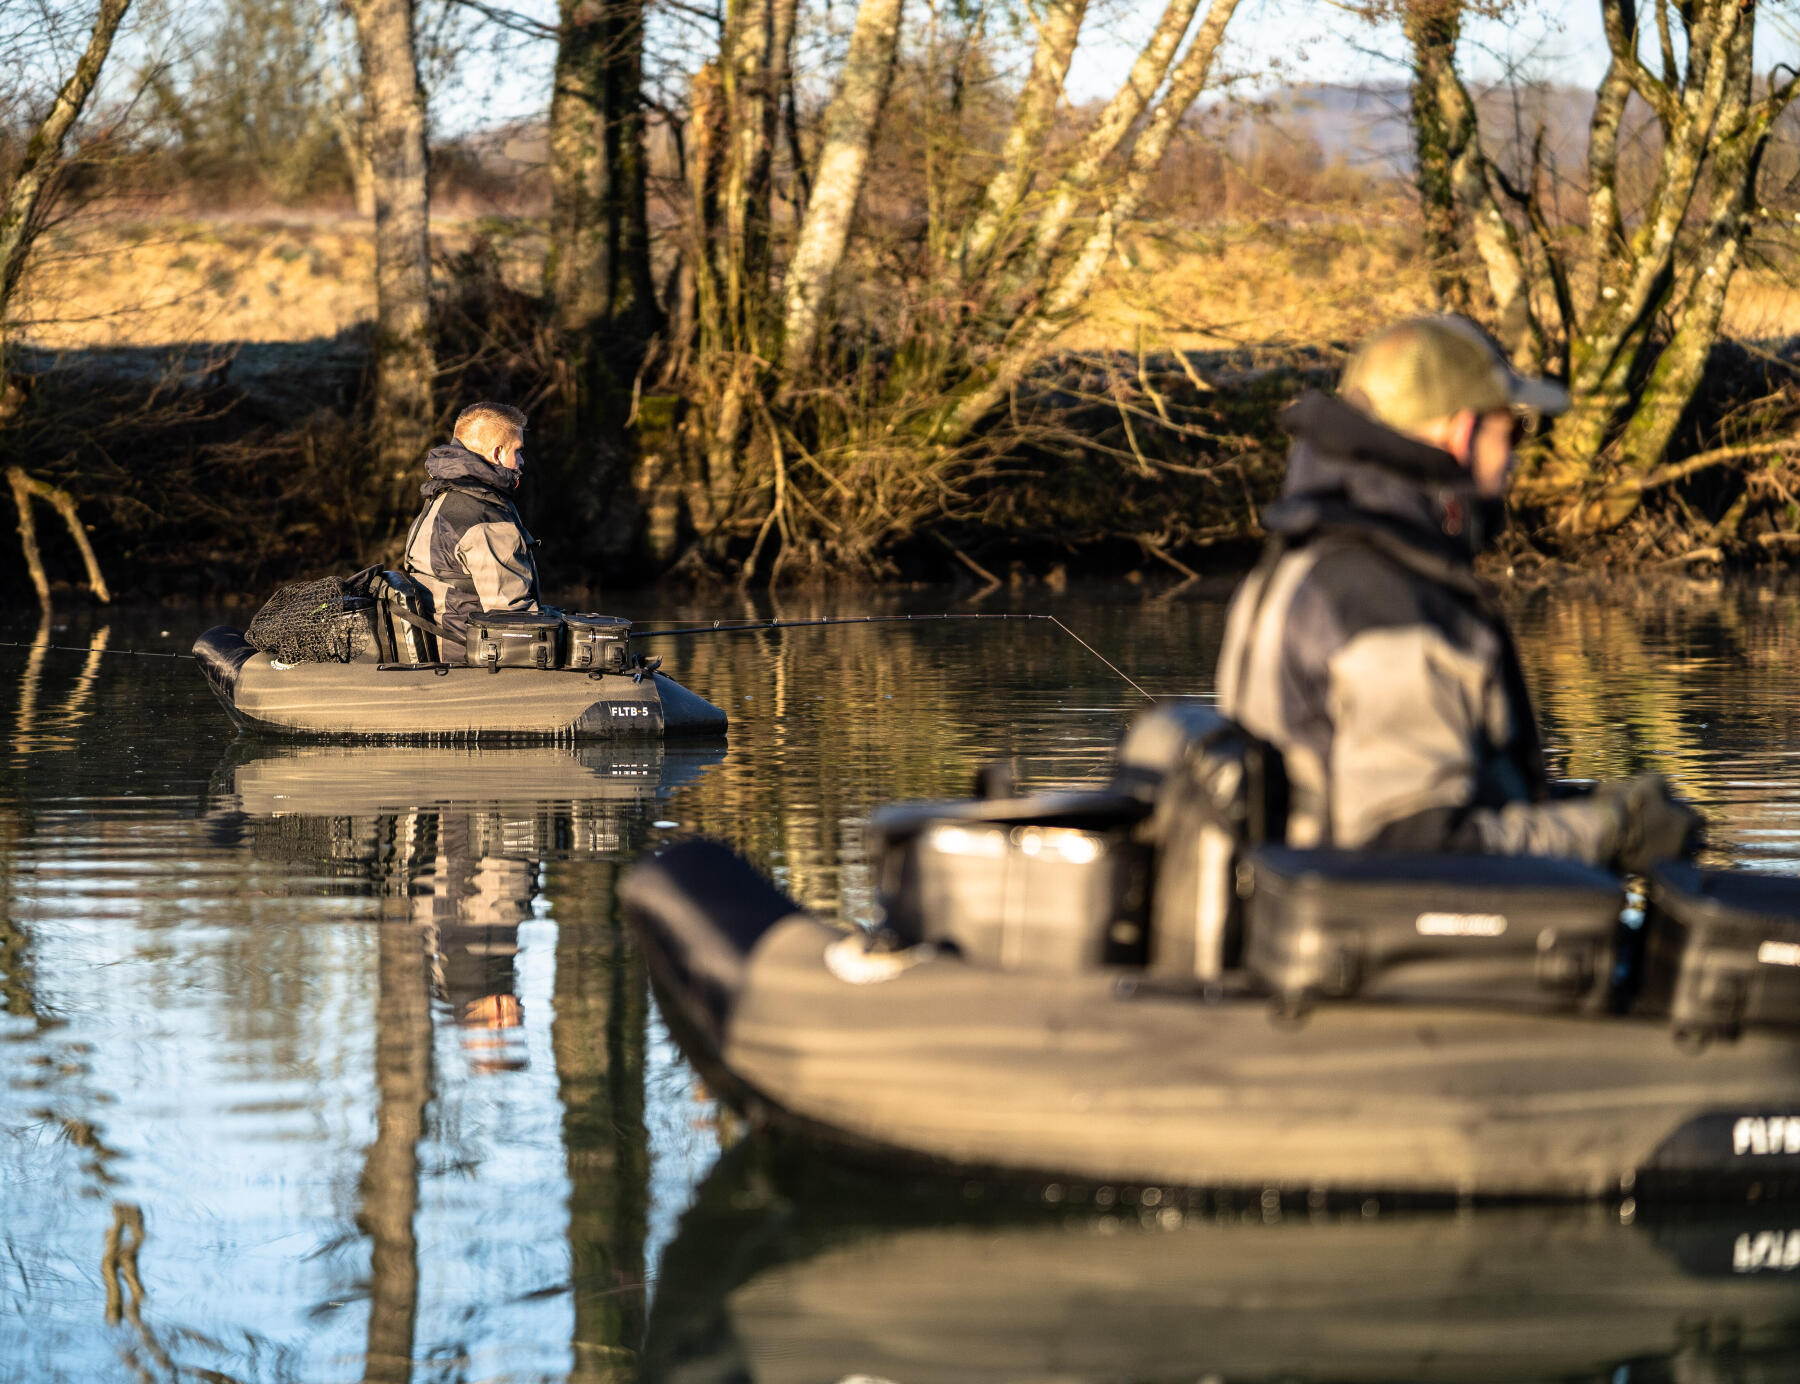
[1354,588]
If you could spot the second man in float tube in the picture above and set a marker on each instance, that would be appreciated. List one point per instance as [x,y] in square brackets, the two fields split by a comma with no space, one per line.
[469,547]
[1366,649]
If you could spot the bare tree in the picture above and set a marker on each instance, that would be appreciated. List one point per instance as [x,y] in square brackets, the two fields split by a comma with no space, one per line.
[598,274]
[394,107]
[1058,26]
[1065,289]
[1671,261]
[1457,192]
[849,130]
[20,220]
[43,159]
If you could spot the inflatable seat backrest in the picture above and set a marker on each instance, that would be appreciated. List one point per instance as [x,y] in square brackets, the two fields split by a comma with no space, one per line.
[1217,792]
[404,640]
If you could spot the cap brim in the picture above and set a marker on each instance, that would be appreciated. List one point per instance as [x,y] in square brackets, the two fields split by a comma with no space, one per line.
[1540,396]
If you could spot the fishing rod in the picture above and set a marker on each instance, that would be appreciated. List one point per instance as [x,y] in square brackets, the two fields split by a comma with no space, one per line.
[716,627]
[721,627]
[85,649]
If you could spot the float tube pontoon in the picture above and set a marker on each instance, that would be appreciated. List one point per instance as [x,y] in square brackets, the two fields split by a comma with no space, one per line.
[363,699]
[1104,1077]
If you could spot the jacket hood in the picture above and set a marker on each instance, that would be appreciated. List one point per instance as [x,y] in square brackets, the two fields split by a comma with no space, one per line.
[454,464]
[1346,468]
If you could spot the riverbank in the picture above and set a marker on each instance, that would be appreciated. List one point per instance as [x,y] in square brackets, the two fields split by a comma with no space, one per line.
[200,387]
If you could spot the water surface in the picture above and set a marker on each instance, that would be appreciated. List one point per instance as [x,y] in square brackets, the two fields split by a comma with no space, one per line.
[335,1063]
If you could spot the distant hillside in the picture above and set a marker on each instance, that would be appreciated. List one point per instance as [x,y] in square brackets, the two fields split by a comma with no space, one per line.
[1366,127]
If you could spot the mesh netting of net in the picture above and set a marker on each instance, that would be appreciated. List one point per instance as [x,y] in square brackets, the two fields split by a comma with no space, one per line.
[307,623]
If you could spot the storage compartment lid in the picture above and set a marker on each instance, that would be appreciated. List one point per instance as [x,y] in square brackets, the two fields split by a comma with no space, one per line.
[1478,874]
[516,622]
[1080,811]
[588,620]
[1692,895]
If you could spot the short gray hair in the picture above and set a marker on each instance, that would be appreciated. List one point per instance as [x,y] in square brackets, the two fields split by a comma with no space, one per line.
[482,422]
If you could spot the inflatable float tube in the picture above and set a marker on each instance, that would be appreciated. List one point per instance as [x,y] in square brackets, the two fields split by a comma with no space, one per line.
[918,1058]
[776,1276]
[364,700]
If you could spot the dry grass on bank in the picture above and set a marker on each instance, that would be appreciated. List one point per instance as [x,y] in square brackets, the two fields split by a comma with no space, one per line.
[1250,283]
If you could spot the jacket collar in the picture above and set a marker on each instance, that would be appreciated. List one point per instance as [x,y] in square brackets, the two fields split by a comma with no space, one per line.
[1348,471]
[454,465]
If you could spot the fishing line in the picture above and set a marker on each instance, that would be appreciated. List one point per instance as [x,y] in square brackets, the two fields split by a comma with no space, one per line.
[720,627]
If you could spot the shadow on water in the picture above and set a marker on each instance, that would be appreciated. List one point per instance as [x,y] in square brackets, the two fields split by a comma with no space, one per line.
[786,1270]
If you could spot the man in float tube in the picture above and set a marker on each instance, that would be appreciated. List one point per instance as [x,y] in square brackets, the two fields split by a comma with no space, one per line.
[1365,648]
[469,547]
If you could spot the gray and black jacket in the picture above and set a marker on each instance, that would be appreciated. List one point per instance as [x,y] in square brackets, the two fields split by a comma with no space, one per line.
[1366,649]
[468,547]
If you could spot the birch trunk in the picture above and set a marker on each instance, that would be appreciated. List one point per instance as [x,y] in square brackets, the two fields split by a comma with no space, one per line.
[1071,288]
[849,128]
[394,109]
[1109,131]
[43,157]
[1059,26]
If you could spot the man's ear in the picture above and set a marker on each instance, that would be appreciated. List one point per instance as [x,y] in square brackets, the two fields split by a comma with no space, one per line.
[1462,436]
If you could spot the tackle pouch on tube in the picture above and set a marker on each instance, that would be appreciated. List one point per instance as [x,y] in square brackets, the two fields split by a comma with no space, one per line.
[514,639]
[595,643]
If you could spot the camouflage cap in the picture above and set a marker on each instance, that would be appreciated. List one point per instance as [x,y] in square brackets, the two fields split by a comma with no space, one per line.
[1432,367]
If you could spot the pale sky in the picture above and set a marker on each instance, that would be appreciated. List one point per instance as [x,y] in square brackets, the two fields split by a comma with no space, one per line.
[1280,42]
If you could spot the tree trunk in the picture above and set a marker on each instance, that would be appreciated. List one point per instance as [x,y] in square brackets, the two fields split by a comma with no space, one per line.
[1614,351]
[390,1179]
[1456,194]
[849,125]
[394,109]
[1109,131]
[1071,288]
[1058,25]
[1738,143]
[43,157]
[353,140]
[1439,138]
[578,271]
[748,72]
[635,310]
[598,271]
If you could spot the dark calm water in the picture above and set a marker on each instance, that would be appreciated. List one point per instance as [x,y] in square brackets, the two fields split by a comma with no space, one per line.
[335,1064]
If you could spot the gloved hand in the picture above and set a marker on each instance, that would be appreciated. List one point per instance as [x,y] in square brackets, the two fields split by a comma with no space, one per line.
[1653,825]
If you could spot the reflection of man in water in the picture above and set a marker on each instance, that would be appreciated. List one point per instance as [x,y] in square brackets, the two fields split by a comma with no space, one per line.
[471,905]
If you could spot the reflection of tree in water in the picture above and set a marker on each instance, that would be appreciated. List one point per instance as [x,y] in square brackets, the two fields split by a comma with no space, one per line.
[1683,678]
[846,717]
[18,993]
[598,1036]
[390,1178]
[454,879]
